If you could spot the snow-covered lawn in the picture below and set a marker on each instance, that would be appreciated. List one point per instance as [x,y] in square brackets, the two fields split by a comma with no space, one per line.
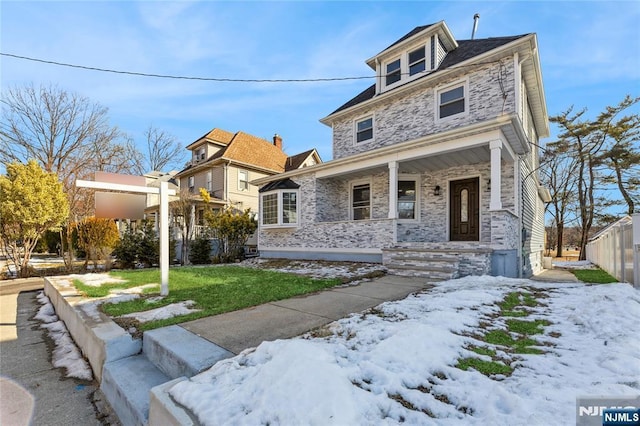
[398,363]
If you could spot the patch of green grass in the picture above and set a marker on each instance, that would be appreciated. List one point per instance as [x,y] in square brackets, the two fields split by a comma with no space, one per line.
[510,301]
[512,313]
[488,368]
[595,276]
[215,290]
[503,338]
[483,351]
[526,327]
[102,290]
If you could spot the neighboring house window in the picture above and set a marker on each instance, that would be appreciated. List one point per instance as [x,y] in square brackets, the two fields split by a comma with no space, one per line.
[451,101]
[243,180]
[364,129]
[280,208]
[361,201]
[407,200]
[192,183]
[209,184]
[417,61]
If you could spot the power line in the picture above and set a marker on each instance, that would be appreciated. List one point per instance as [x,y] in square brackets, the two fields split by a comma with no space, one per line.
[180,77]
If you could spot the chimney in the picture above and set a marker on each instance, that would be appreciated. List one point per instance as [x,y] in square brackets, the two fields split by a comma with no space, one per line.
[476,18]
[277,141]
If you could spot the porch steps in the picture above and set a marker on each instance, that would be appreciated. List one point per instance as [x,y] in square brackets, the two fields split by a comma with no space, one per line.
[434,264]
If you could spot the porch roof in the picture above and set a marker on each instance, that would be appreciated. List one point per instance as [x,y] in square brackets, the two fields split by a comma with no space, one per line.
[468,145]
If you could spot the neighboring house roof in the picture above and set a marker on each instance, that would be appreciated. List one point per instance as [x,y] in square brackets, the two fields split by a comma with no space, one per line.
[215,135]
[466,49]
[250,150]
[295,161]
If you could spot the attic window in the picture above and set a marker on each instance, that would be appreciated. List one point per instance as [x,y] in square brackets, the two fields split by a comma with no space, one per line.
[393,72]
[417,61]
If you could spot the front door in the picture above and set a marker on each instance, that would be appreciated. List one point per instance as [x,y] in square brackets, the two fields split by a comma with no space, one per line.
[464,202]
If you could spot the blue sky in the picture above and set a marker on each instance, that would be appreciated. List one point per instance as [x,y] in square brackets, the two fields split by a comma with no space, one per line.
[590,55]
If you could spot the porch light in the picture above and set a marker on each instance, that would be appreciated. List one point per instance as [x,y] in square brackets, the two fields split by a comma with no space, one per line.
[436,191]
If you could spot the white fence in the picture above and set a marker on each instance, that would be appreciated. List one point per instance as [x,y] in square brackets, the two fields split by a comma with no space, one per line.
[616,249]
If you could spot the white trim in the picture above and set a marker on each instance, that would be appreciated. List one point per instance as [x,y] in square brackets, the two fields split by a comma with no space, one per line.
[464,83]
[240,188]
[280,209]
[352,184]
[360,119]
[417,178]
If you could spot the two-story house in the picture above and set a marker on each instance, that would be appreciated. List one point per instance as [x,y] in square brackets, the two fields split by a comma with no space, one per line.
[435,165]
[224,164]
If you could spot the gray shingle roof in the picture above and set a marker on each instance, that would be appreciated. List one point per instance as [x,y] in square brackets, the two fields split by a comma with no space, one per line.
[467,49]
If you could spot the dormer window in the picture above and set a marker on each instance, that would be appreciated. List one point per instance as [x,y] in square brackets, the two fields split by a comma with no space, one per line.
[393,72]
[417,61]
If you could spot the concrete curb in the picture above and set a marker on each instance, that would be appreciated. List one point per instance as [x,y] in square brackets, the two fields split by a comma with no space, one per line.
[99,338]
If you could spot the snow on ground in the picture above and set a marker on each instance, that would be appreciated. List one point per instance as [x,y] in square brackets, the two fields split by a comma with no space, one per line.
[574,264]
[317,269]
[66,354]
[96,279]
[164,312]
[397,363]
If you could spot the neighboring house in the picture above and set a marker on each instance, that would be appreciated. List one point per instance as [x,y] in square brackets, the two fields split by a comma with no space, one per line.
[435,165]
[224,164]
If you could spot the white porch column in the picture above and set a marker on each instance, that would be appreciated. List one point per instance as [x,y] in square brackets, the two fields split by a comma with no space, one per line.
[496,175]
[393,189]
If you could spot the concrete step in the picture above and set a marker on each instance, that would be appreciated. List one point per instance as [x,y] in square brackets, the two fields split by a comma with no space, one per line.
[426,271]
[126,383]
[178,352]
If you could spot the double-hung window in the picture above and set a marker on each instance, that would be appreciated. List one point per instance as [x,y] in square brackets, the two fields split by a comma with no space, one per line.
[417,62]
[451,101]
[394,72]
[364,129]
[361,201]
[209,182]
[407,198]
[279,208]
[192,183]
[243,180]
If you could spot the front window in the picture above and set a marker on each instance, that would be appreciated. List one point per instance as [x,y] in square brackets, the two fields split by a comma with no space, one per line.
[209,184]
[451,102]
[361,201]
[417,61]
[270,209]
[243,180]
[364,129]
[192,183]
[407,199]
[393,72]
[280,208]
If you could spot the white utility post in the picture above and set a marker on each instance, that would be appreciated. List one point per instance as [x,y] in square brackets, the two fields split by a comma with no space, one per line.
[164,193]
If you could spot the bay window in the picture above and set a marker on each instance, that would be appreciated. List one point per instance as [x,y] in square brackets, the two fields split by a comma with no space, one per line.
[279,208]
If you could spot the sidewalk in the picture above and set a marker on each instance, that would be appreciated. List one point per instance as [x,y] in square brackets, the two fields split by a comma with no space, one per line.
[555,275]
[247,328]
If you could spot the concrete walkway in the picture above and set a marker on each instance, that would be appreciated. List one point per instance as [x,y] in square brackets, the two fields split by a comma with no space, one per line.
[247,328]
[556,275]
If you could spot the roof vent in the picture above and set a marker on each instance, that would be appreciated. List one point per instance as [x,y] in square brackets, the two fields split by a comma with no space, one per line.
[476,18]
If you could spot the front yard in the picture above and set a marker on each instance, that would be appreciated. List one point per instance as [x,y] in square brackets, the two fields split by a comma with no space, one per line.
[196,292]
[478,350]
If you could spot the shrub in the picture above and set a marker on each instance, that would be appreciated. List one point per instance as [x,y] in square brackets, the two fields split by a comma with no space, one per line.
[200,251]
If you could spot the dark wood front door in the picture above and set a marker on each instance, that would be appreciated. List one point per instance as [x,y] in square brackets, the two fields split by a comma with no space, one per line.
[464,203]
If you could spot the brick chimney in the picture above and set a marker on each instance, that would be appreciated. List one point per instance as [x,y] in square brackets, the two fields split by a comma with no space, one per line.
[277,141]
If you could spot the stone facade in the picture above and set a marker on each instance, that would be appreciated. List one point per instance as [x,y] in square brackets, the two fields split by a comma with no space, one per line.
[412,115]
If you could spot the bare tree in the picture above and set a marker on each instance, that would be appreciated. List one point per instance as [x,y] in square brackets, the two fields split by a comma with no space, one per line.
[589,143]
[161,150]
[66,133]
[183,212]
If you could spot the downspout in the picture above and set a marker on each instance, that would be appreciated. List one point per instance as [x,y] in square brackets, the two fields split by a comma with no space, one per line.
[226,183]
